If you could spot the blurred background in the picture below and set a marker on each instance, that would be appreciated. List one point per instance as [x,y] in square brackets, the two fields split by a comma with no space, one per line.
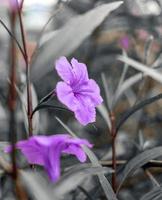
[134,29]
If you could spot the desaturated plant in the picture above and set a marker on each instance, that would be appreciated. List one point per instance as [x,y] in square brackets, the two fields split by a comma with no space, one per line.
[80,96]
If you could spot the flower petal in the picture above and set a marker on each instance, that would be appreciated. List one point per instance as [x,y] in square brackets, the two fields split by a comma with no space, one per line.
[52,160]
[64,70]
[32,151]
[80,71]
[66,96]
[76,150]
[85,112]
[92,91]
[74,147]
[79,141]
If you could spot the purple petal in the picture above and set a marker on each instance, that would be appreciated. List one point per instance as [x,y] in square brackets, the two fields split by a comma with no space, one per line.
[92,91]
[124,42]
[8,149]
[66,95]
[75,148]
[79,141]
[52,160]
[52,157]
[32,151]
[14,5]
[85,112]
[64,70]
[80,71]
[49,140]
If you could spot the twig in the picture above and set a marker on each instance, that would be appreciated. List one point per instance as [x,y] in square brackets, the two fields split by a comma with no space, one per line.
[13,37]
[113,136]
[150,164]
[12,97]
[152,178]
[29,97]
[18,186]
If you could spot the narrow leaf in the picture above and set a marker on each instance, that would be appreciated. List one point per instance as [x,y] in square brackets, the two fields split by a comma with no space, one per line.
[134,79]
[47,97]
[36,185]
[49,106]
[122,78]
[77,173]
[135,108]
[64,42]
[107,92]
[104,113]
[127,84]
[138,161]
[141,67]
[156,192]
[35,120]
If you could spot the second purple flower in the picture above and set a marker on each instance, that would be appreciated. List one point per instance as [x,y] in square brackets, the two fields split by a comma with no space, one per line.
[46,151]
[79,93]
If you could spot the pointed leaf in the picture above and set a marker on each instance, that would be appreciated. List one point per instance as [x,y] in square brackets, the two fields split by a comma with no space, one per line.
[104,113]
[156,192]
[135,108]
[64,42]
[35,119]
[141,67]
[138,161]
[77,173]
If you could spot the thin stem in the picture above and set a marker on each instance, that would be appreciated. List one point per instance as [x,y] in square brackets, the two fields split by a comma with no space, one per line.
[12,98]
[113,135]
[21,4]
[152,178]
[13,37]
[29,97]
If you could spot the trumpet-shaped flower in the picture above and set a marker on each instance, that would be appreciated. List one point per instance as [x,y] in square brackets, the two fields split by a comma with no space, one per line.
[46,151]
[79,93]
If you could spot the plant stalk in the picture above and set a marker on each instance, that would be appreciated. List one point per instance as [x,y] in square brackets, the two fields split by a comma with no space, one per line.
[113,136]
[28,83]
[12,97]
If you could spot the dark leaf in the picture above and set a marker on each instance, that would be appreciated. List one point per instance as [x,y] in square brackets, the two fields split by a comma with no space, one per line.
[47,97]
[77,173]
[138,162]
[49,106]
[135,108]
[155,193]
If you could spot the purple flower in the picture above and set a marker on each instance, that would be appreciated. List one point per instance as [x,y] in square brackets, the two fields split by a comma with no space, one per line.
[124,42]
[79,93]
[46,151]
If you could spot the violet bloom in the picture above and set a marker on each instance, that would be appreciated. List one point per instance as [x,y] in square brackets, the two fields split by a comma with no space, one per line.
[46,151]
[124,42]
[79,93]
